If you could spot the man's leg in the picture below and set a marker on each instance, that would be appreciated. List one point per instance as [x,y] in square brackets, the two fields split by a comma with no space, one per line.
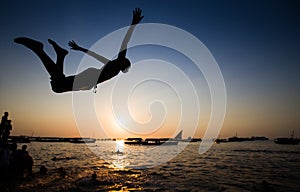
[37,48]
[61,54]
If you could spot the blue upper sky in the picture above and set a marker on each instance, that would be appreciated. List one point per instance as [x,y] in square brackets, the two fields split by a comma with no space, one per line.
[256,44]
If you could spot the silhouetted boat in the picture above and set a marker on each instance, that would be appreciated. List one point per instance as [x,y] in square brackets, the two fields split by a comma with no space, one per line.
[134,141]
[189,139]
[221,140]
[160,141]
[62,139]
[155,141]
[19,139]
[238,139]
[178,137]
[196,140]
[287,141]
[150,141]
[261,138]
[49,139]
[82,140]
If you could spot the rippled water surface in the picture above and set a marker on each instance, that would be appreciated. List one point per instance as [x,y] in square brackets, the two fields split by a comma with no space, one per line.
[245,166]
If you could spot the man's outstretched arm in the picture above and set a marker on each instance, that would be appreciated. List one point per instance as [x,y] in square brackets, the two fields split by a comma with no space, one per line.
[137,17]
[76,47]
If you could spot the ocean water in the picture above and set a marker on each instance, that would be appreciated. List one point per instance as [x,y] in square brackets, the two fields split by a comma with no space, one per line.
[243,166]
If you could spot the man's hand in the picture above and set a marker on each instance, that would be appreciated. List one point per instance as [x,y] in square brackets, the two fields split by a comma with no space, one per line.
[137,16]
[74,45]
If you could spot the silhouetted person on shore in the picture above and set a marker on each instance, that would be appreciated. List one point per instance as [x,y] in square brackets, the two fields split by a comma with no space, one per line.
[4,118]
[6,132]
[85,80]
[3,124]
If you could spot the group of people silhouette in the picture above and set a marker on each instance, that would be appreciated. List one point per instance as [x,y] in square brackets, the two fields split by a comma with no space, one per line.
[14,163]
[85,80]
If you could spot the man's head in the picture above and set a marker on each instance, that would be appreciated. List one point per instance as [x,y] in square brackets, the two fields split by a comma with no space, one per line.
[24,147]
[125,65]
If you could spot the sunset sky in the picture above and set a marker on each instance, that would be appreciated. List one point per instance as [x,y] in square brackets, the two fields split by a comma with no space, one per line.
[255,43]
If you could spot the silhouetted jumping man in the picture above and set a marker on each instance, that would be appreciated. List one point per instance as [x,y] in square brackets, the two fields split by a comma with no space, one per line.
[85,80]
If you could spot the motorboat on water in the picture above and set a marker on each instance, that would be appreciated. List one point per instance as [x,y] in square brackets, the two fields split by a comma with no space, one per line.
[288,141]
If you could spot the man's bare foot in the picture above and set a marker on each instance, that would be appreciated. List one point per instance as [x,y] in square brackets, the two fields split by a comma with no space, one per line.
[57,48]
[29,43]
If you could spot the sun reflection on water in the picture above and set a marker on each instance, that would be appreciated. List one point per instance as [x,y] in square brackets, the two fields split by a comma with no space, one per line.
[120,146]
[119,156]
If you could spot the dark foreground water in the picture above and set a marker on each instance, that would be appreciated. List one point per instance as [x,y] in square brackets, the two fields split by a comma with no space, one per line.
[245,166]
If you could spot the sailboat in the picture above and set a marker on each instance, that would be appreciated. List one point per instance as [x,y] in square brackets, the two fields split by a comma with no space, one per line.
[154,141]
[288,141]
